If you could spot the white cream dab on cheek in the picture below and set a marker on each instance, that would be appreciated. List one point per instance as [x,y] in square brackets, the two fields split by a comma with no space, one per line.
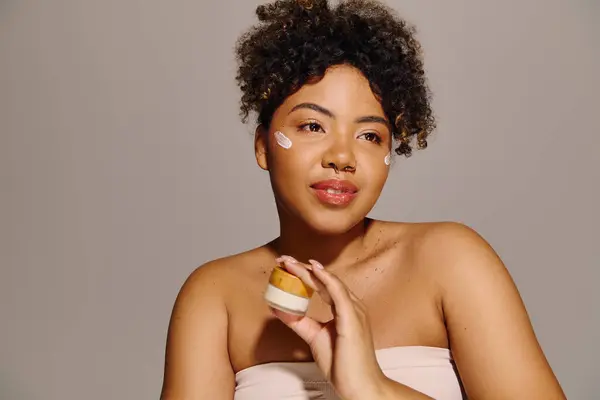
[388,159]
[282,140]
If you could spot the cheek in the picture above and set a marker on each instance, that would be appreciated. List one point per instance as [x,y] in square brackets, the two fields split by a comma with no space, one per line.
[282,140]
[388,159]
[378,177]
[288,165]
[376,171]
[293,152]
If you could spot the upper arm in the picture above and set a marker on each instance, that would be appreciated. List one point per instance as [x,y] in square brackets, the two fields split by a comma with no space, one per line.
[492,340]
[196,361]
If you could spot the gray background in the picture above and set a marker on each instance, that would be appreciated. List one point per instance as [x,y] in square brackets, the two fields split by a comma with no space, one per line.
[123,166]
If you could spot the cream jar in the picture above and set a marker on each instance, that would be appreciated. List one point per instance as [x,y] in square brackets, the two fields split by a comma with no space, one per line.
[287,292]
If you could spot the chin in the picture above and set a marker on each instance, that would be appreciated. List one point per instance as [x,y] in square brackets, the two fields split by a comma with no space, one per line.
[320,219]
[333,223]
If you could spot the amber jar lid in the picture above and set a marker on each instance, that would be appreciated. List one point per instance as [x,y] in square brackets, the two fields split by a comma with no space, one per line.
[287,282]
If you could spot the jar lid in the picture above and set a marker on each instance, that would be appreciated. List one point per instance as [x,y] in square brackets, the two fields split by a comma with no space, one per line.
[287,282]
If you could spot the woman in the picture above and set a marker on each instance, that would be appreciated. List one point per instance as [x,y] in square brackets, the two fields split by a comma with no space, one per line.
[336,90]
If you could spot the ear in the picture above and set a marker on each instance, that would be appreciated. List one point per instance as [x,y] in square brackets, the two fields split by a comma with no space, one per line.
[260,147]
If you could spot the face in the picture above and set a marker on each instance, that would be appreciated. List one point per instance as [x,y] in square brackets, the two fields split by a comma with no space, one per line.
[326,150]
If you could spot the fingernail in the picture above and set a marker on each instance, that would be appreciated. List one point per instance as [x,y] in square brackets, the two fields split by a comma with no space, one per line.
[289,259]
[316,264]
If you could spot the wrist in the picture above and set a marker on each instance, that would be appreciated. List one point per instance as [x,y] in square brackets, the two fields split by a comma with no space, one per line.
[375,389]
[384,390]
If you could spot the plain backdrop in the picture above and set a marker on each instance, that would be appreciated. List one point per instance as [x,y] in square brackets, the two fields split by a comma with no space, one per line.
[124,166]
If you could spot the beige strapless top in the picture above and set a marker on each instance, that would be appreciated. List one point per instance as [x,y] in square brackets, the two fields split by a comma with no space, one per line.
[429,370]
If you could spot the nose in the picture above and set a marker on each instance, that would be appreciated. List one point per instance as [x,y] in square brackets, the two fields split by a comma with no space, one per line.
[340,155]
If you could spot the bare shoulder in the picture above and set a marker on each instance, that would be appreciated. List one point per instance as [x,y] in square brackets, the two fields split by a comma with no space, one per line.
[491,337]
[451,233]
[197,363]
[218,275]
[446,233]
[432,241]
[457,257]
[452,249]
[444,254]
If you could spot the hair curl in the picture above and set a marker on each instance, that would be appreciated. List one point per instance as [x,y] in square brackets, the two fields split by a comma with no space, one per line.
[296,41]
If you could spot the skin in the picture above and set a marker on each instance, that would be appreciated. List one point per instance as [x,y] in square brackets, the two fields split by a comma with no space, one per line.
[393,284]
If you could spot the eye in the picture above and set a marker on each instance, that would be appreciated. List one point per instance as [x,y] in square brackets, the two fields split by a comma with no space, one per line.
[371,137]
[311,127]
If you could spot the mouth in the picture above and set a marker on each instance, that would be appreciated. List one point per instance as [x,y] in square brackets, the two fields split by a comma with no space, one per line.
[335,192]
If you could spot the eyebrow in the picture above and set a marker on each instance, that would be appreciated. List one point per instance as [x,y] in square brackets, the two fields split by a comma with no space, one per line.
[324,111]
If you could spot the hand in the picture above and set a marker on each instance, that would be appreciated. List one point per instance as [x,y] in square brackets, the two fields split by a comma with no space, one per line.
[343,347]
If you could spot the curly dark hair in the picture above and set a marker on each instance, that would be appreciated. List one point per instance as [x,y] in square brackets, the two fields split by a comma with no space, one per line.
[296,41]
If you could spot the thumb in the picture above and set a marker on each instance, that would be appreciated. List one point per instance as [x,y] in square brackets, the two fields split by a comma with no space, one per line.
[307,328]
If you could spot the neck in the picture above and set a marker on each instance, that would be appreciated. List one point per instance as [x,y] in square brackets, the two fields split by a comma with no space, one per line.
[302,243]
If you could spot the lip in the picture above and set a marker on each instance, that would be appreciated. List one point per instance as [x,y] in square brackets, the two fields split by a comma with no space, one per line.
[347,189]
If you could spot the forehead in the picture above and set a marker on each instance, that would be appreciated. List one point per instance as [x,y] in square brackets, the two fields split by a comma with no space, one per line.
[343,90]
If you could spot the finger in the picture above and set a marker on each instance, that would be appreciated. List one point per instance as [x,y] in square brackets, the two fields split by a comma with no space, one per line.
[291,259]
[339,293]
[353,296]
[301,271]
[307,328]
[285,317]
[359,306]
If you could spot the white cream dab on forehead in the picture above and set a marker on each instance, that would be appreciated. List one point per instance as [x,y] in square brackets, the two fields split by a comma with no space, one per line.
[388,159]
[283,140]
